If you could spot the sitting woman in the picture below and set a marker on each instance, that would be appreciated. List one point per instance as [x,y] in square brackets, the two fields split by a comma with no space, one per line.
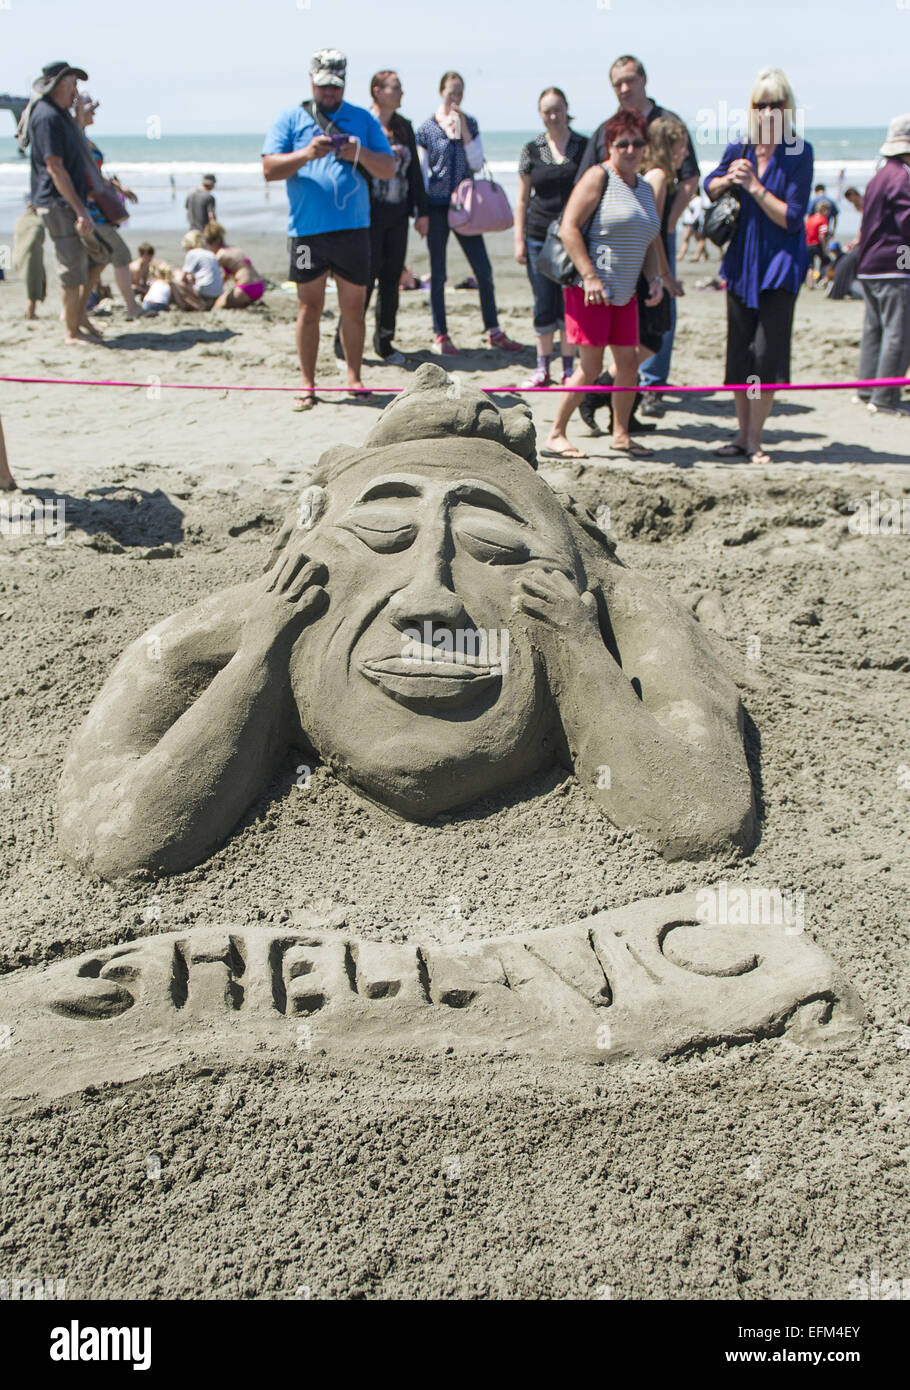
[248,285]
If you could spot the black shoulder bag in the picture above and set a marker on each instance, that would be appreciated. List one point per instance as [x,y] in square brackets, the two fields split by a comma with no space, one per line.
[722,218]
[553,260]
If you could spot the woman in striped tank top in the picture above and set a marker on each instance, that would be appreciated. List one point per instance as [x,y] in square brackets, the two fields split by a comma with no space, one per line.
[602,311]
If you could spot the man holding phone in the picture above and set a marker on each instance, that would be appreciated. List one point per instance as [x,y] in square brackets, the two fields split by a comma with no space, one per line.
[324,149]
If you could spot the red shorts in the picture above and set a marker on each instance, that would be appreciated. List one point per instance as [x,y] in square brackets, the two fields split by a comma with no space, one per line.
[600,325]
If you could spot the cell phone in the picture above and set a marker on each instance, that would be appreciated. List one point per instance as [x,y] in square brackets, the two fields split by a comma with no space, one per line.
[338,141]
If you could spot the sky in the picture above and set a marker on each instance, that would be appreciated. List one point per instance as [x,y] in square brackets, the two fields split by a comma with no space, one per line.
[230,66]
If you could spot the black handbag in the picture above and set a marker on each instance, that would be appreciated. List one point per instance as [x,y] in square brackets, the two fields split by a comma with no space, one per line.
[653,319]
[722,219]
[553,260]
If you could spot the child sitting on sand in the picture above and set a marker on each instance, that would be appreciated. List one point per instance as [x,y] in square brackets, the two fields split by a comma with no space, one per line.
[158,294]
[248,284]
[167,287]
[200,280]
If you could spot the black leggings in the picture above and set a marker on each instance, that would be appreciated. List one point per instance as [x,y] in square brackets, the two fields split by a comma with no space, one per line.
[758,340]
[388,249]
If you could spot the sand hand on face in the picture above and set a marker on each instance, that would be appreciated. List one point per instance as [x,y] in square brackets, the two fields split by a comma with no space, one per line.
[290,594]
[555,598]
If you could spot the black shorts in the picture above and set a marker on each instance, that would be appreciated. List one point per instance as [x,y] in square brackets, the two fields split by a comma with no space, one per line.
[346,254]
[758,340]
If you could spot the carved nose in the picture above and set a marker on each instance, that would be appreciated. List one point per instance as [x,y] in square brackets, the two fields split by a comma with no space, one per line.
[427,599]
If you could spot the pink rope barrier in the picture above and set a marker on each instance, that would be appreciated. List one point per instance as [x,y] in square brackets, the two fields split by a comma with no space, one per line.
[491,390]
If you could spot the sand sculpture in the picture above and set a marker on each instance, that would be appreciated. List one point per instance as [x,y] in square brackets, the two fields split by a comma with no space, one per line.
[435,624]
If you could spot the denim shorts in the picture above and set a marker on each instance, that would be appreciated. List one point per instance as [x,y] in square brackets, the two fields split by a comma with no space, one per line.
[548,302]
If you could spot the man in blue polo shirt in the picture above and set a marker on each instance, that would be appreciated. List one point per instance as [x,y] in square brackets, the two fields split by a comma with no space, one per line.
[324,150]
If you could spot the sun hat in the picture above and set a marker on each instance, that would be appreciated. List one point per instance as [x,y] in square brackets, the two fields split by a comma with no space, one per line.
[328,67]
[51,75]
[898,139]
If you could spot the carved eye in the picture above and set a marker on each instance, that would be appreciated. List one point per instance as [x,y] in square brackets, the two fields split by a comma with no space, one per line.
[490,543]
[381,529]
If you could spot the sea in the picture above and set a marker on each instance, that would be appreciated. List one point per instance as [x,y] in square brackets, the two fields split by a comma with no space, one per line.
[162,171]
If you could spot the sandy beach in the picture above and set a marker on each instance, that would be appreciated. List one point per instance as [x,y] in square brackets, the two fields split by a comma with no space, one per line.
[755,1172]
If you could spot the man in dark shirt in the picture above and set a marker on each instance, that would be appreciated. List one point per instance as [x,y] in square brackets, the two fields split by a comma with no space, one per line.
[60,189]
[629,81]
[200,204]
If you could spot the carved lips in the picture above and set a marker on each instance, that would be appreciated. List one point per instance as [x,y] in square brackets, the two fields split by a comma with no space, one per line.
[426,679]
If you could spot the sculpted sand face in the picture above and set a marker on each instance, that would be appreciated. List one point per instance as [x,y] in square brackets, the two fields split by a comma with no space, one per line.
[401,683]
[370,637]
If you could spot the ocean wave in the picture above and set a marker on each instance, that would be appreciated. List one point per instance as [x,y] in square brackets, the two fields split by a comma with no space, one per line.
[14,176]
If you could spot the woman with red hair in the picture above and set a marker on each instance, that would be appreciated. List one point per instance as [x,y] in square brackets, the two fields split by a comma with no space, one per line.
[602,311]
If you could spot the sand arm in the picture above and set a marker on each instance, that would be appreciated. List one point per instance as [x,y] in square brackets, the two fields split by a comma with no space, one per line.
[670,765]
[177,746]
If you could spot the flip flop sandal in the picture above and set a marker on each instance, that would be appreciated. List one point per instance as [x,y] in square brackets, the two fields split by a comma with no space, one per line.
[557,454]
[631,451]
[304,400]
[760,457]
[731,451]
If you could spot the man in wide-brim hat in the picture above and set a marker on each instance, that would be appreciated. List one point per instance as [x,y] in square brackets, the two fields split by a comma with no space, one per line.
[60,188]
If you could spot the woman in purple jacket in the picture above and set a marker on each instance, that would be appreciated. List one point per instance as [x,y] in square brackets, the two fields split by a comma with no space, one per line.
[767,260]
[883,270]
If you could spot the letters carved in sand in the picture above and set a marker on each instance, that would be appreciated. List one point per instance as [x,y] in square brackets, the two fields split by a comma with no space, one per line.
[646,980]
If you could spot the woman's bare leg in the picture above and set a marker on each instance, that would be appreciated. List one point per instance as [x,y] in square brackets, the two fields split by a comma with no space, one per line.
[7,481]
[625,374]
[125,286]
[232,298]
[757,413]
[587,372]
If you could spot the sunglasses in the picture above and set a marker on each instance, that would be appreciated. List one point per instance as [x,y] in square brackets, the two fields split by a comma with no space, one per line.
[769,106]
[630,144]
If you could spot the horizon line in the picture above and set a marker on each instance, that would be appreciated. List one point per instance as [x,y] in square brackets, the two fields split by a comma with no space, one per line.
[500,130]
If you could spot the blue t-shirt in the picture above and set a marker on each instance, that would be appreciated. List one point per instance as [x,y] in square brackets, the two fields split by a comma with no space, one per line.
[762,255]
[328,194]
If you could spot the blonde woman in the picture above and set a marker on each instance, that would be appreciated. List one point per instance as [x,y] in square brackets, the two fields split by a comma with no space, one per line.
[766,262]
[668,149]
